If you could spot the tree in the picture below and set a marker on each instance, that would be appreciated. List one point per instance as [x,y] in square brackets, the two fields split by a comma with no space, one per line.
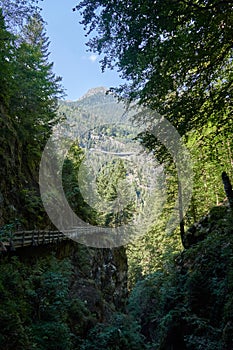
[33,101]
[28,102]
[175,55]
[5,44]
[8,137]
[111,189]
[17,12]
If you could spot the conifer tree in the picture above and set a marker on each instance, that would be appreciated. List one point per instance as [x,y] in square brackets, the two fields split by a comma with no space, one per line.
[29,92]
[5,66]
[36,89]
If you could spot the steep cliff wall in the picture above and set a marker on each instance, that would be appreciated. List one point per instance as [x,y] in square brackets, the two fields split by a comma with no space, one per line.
[98,278]
[52,296]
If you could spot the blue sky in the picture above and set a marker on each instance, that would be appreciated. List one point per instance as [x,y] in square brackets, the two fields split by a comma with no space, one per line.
[79,69]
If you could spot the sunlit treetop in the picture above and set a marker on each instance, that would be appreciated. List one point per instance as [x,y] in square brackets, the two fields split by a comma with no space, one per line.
[176,56]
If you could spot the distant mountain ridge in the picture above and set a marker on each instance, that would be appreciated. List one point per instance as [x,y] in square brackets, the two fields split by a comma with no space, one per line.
[100,120]
[94,104]
[93,91]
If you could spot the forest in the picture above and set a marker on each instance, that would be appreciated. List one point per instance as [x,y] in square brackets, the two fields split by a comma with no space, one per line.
[166,289]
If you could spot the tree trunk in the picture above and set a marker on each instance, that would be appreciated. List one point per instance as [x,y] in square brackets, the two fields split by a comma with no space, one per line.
[228,188]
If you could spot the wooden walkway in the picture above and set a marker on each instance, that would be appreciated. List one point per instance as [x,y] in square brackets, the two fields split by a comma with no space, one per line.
[33,238]
[11,241]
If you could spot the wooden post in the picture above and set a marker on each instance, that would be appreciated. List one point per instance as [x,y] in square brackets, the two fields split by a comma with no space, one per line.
[12,247]
[33,239]
[23,238]
[38,237]
[43,240]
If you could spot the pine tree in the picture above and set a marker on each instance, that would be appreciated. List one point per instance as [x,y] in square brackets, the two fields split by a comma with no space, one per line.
[5,66]
[29,92]
[36,89]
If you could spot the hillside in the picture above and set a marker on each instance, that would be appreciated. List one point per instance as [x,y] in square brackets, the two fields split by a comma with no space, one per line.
[98,115]
[95,105]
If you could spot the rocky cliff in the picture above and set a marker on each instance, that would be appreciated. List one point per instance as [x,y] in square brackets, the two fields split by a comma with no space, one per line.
[100,279]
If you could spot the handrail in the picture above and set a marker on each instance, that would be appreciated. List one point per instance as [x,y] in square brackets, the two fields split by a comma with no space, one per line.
[21,239]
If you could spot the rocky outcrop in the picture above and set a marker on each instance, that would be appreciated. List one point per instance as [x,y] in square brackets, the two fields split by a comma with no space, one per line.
[94,91]
[100,279]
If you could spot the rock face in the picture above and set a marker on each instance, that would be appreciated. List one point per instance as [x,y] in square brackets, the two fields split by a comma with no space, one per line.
[99,276]
[100,279]
[59,294]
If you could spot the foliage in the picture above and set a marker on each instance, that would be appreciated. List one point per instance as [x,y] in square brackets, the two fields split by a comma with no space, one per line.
[37,311]
[5,67]
[187,306]
[100,128]
[7,230]
[33,78]
[151,252]
[121,333]
[28,102]
[176,56]
[17,12]
[211,151]
[40,310]
[45,336]
[71,185]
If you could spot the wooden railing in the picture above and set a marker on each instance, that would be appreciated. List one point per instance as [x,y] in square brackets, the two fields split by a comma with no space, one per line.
[19,239]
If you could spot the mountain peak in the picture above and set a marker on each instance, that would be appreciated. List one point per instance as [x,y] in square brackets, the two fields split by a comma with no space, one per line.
[94,91]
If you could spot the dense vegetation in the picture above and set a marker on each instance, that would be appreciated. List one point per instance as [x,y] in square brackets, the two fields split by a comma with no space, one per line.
[28,102]
[187,304]
[176,57]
